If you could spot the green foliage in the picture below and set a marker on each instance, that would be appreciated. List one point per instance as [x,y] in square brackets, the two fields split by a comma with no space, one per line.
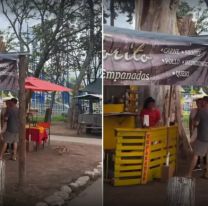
[199,12]
[58,38]
[54,118]
[184,9]
[195,89]
[119,7]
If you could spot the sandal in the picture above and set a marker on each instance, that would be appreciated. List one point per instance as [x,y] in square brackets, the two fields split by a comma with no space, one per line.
[13,158]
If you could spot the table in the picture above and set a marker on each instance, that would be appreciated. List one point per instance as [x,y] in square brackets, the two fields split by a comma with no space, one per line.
[36,134]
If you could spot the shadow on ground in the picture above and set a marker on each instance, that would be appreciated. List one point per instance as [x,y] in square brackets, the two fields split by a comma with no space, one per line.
[154,193]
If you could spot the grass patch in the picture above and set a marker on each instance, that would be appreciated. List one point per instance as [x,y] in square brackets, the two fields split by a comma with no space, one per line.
[55,118]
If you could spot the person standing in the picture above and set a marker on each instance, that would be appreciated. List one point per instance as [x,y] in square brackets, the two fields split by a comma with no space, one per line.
[150,110]
[200,146]
[10,131]
[193,128]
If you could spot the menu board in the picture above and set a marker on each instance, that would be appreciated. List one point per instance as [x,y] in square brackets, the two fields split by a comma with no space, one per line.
[144,58]
[8,75]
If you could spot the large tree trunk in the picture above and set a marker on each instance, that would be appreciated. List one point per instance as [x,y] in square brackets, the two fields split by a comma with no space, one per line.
[157,16]
[112,12]
[85,66]
[22,122]
[160,16]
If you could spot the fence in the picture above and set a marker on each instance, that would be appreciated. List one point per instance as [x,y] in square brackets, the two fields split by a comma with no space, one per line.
[141,153]
[58,108]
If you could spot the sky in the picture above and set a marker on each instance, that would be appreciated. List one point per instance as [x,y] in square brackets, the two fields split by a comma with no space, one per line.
[4,23]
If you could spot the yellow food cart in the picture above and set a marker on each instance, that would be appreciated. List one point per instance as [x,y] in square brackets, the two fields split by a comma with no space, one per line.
[136,155]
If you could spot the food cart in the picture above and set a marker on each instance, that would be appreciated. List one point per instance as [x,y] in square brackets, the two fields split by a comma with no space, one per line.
[89,117]
[136,155]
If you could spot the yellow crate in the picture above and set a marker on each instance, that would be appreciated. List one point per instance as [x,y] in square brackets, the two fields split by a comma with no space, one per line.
[120,161]
[127,182]
[129,147]
[130,155]
[128,174]
[123,140]
[127,168]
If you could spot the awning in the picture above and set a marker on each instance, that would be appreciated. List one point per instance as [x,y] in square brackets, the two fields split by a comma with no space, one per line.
[94,87]
[35,84]
[89,96]
[9,71]
[144,58]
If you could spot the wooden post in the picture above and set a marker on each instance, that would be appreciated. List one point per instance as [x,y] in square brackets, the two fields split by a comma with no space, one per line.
[169,105]
[22,121]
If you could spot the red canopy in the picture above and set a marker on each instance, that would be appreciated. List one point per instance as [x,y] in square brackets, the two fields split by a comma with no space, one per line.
[36,84]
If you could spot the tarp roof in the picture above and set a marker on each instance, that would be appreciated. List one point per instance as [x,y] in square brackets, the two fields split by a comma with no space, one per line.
[12,55]
[162,37]
[35,84]
[89,96]
[144,58]
[9,70]
[95,87]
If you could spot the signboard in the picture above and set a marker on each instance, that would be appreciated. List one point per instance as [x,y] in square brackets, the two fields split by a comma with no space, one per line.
[8,74]
[144,58]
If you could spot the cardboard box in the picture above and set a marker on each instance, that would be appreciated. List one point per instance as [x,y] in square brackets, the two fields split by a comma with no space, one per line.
[167,172]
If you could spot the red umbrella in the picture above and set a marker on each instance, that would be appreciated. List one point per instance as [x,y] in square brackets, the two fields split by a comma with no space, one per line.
[36,84]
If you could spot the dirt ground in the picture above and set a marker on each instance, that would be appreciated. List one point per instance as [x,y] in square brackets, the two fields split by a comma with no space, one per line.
[154,193]
[47,171]
[62,128]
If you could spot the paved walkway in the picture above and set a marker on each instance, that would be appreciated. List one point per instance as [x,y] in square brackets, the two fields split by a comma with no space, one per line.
[91,196]
[83,140]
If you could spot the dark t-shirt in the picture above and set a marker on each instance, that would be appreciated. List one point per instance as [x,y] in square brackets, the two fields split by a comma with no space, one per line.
[202,129]
[12,118]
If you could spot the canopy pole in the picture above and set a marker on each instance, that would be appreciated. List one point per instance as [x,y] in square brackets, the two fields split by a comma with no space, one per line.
[22,121]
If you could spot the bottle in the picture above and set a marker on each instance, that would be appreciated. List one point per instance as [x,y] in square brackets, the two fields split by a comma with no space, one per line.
[112,100]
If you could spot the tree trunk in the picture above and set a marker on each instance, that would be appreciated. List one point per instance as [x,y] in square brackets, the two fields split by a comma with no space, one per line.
[52,99]
[112,12]
[157,16]
[49,114]
[160,16]
[22,121]
[86,64]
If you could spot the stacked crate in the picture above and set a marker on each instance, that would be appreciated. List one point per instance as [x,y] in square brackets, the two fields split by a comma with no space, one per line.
[163,142]
[141,154]
[129,158]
